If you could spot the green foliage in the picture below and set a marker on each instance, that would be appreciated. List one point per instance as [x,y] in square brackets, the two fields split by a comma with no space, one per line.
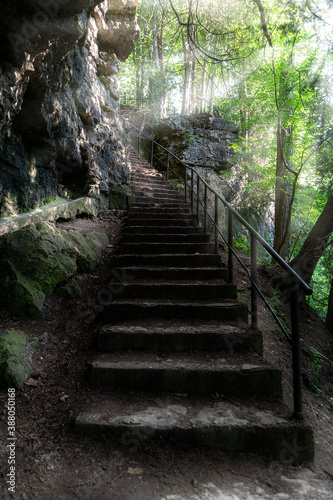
[242,244]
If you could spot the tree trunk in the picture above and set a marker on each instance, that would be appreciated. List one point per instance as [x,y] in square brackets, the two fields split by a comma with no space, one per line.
[155,34]
[202,104]
[193,100]
[282,193]
[187,79]
[329,317]
[212,92]
[283,184]
[306,260]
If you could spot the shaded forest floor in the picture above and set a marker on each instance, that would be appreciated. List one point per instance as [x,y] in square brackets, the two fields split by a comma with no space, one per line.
[54,463]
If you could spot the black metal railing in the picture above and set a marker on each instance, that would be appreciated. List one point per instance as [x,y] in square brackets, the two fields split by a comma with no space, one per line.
[296,283]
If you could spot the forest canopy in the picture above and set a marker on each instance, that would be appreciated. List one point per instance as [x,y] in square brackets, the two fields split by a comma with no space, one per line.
[267,65]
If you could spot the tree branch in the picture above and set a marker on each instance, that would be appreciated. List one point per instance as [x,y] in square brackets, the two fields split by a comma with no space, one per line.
[263,21]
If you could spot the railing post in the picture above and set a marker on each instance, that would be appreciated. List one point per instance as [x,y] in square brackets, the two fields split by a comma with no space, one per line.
[198,199]
[296,350]
[167,166]
[185,184]
[152,153]
[230,247]
[205,209]
[254,293]
[139,144]
[216,224]
[192,191]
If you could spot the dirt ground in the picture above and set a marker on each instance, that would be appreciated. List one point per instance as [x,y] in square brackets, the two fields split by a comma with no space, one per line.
[53,463]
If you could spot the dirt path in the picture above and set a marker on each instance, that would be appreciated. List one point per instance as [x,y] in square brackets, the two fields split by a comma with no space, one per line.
[54,463]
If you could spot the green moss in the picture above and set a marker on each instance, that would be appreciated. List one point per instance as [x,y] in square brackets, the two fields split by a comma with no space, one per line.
[15,358]
[37,258]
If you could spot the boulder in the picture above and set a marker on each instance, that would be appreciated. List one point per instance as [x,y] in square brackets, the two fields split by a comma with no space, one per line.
[15,358]
[37,258]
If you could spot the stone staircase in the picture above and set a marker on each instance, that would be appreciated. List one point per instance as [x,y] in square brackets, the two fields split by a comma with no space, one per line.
[176,359]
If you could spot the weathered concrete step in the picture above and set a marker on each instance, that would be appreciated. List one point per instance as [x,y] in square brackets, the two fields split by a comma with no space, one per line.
[172,273]
[138,180]
[172,336]
[165,200]
[225,426]
[149,308]
[168,238]
[134,215]
[170,221]
[175,260]
[133,229]
[148,178]
[158,203]
[152,210]
[154,186]
[195,376]
[181,291]
[153,248]
[137,187]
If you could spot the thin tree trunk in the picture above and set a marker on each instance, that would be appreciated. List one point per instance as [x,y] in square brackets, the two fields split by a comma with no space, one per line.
[187,79]
[202,105]
[329,317]
[283,184]
[211,95]
[193,99]
[282,195]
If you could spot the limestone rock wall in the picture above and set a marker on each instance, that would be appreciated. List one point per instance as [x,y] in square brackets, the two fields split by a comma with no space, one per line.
[203,142]
[60,129]
[200,140]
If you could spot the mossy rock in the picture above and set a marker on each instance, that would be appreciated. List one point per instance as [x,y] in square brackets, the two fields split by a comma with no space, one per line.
[71,290]
[15,358]
[37,258]
[118,197]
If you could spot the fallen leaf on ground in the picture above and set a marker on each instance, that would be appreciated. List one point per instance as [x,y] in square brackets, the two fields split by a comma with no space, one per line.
[33,383]
[135,470]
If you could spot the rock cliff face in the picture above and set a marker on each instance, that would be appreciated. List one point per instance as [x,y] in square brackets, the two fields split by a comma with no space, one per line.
[60,130]
[199,140]
[204,142]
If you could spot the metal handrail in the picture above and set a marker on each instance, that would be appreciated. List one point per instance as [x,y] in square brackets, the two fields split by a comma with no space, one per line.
[296,282]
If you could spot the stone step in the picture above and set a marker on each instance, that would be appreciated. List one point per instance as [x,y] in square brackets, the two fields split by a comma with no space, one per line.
[155,203]
[181,336]
[165,248]
[171,273]
[176,290]
[134,229]
[134,215]
[165,200]
[222,425]
[154,190]
[235,377]
[151,210]
[153,186]
[167,221]
[150,178]
[167,308]
[167,238]
[175,260]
